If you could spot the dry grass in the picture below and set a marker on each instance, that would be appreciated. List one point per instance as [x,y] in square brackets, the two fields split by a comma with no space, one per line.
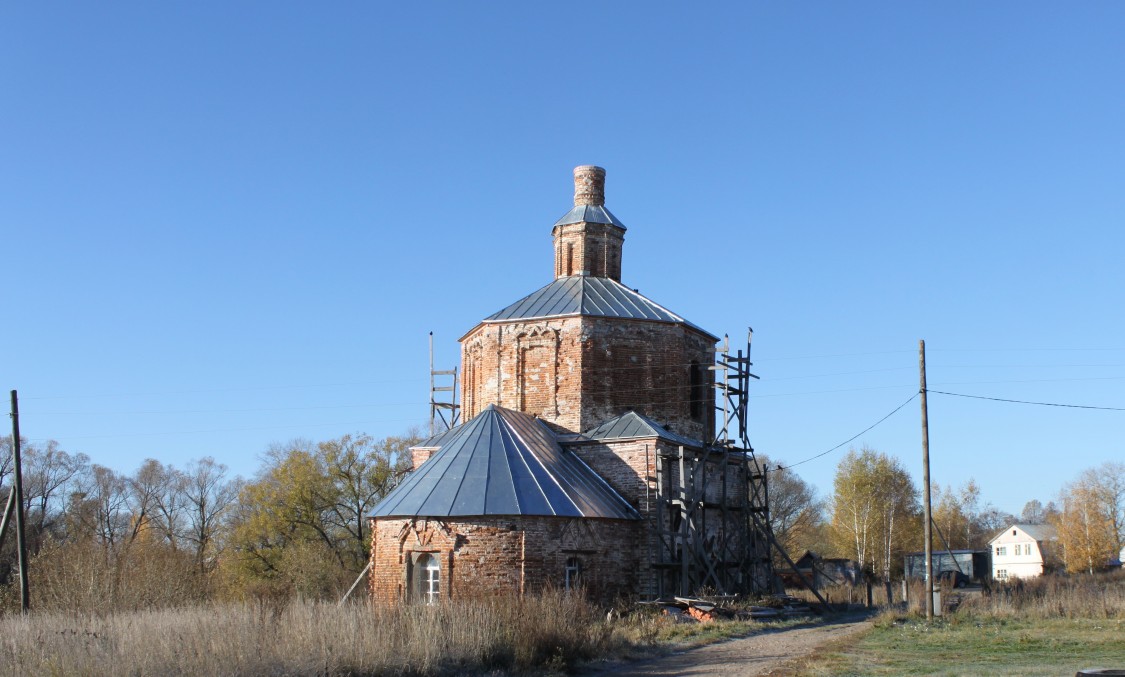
[548,632]
[856,594]
[545,634]
[1100,596]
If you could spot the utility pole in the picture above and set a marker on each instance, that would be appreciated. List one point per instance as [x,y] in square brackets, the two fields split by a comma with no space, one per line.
[926,533]
[17,488]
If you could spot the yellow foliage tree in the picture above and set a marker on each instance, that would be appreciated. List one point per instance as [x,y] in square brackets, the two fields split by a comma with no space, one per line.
[1089,524]
[874,511]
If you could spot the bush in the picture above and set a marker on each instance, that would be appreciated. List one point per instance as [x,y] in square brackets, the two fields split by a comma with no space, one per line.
[87,577]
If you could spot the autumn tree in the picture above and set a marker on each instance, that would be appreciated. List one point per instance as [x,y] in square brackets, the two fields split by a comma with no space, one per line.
[874,510]
[796,514]
[955,514]
[1091,522]
[302,522]
[361,471]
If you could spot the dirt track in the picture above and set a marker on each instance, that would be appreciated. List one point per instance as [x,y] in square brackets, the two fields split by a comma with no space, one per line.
[746,657]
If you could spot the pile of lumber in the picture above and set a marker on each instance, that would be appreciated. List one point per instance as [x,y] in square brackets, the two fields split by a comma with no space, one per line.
[699,610]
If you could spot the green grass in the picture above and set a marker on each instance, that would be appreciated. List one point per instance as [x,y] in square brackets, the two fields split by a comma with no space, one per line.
[976,646]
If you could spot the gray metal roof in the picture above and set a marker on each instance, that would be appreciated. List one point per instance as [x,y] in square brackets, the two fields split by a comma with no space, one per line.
[503,462]
[632,425]
[437,440]
[589,214]
[1040,532]
[589,296]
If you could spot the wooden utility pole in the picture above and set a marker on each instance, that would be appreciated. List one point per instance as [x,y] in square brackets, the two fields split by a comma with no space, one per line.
[926,534]
[17,487]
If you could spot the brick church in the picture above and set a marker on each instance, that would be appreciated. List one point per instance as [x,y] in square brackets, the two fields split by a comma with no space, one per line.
[581,403]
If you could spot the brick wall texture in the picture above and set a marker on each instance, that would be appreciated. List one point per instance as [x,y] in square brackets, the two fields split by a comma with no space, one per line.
[578,372]
[483,556]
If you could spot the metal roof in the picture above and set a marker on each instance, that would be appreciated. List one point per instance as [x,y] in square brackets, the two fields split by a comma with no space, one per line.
[632,425]
[589,214]
[503,462]
[437,440]
[589,296]
[1040,532]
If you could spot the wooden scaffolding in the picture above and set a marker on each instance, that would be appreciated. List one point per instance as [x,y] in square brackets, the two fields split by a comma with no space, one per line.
[711,523]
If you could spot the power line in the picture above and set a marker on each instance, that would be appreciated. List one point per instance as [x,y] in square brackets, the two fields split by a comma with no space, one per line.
[823,357]
[850,439]
[1035,380]
[1041,404]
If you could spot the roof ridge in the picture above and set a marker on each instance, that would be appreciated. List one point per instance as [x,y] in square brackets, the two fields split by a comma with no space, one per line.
[466,476]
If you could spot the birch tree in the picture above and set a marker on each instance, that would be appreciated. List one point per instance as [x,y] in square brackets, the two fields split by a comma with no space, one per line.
[1092,519]
[874,510]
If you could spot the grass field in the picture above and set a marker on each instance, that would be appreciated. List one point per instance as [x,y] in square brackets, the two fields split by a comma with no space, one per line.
[977,647]
[1051,626]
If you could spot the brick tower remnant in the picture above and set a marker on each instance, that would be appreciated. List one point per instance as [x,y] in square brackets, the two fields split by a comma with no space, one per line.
[588,240]
[586,348]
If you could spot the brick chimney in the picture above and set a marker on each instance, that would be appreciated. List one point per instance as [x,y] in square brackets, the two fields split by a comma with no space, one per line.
[588,239]
[589,186]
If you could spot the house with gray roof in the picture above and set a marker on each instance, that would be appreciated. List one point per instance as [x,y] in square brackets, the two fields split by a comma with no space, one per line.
[1023,551]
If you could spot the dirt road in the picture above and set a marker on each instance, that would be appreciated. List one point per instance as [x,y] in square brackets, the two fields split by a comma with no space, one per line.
[747,657]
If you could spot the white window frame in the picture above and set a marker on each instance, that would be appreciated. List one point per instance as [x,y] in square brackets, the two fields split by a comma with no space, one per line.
[427,577]
[572,573]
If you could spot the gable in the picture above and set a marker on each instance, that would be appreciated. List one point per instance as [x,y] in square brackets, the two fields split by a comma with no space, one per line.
[1021,533]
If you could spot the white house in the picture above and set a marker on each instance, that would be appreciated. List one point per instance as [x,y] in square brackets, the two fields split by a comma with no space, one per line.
[1021,550]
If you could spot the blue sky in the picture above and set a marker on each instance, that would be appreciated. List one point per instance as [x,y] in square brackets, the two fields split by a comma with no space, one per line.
[231,224]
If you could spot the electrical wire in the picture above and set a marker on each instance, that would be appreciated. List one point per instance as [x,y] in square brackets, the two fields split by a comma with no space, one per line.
[1041,404]
[850,439]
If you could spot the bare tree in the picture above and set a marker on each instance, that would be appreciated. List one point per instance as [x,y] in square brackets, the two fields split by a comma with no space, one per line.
[208,496]
[49,476]
[6,460]
[156,499]
[1033,512]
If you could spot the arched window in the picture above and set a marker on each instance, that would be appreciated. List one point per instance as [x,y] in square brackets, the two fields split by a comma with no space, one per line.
[573,572]
[428,576]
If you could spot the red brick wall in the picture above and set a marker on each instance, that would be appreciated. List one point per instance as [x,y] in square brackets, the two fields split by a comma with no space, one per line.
[579,372]
[496,555]
[419,455]
[526,366]
[588,249]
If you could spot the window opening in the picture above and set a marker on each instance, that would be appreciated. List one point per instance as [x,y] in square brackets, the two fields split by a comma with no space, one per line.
[573,572]
[429,582]
[698,394]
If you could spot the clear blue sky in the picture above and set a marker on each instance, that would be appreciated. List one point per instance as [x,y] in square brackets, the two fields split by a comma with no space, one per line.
[230,224]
